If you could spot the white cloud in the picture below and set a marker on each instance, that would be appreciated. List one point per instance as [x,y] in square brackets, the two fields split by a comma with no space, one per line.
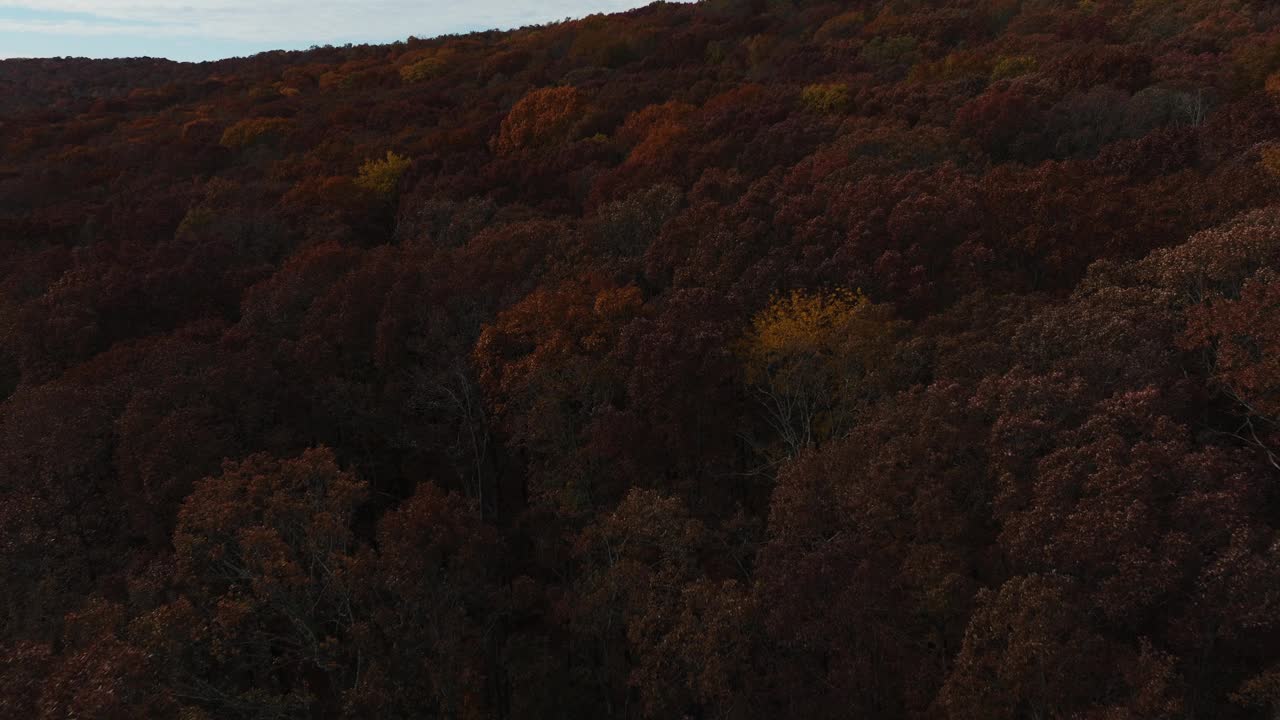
[290,21]
[86,28]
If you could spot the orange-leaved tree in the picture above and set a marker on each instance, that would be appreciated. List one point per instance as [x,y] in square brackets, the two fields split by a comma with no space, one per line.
[540,118]
[264,554]
[808,355]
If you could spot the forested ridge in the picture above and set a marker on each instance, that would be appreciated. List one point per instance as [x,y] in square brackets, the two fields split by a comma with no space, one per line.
[889,359]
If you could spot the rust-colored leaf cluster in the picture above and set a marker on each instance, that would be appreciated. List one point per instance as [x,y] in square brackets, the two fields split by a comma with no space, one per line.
[718,360]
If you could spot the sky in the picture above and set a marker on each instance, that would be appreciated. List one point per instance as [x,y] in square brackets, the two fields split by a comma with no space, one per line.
[195,30]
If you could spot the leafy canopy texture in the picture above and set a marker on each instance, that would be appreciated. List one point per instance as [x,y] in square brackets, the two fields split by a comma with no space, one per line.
[723,360]
[809,355]
[382,176]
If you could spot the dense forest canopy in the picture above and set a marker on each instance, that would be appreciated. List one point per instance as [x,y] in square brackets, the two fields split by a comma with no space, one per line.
[743,359]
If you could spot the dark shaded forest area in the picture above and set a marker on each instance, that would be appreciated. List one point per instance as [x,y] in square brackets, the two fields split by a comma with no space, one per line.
[891,359]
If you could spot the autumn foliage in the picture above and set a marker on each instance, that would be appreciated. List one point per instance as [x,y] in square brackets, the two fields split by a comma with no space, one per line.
[248,132]
[813,357]
[382,176]
[719,360]
[539,118]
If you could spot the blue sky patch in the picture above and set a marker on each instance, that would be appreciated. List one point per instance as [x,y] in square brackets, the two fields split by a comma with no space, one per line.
[196,30]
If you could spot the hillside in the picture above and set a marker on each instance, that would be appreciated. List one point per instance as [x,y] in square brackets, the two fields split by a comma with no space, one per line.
[891,359]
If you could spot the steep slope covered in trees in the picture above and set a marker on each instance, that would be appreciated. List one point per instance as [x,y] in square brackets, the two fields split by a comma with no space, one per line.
[741,359]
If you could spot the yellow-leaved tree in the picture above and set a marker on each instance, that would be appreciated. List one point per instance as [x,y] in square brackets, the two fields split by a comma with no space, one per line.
[382,176]
[427,68]
[826,98]
[252,131]
[809,355]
